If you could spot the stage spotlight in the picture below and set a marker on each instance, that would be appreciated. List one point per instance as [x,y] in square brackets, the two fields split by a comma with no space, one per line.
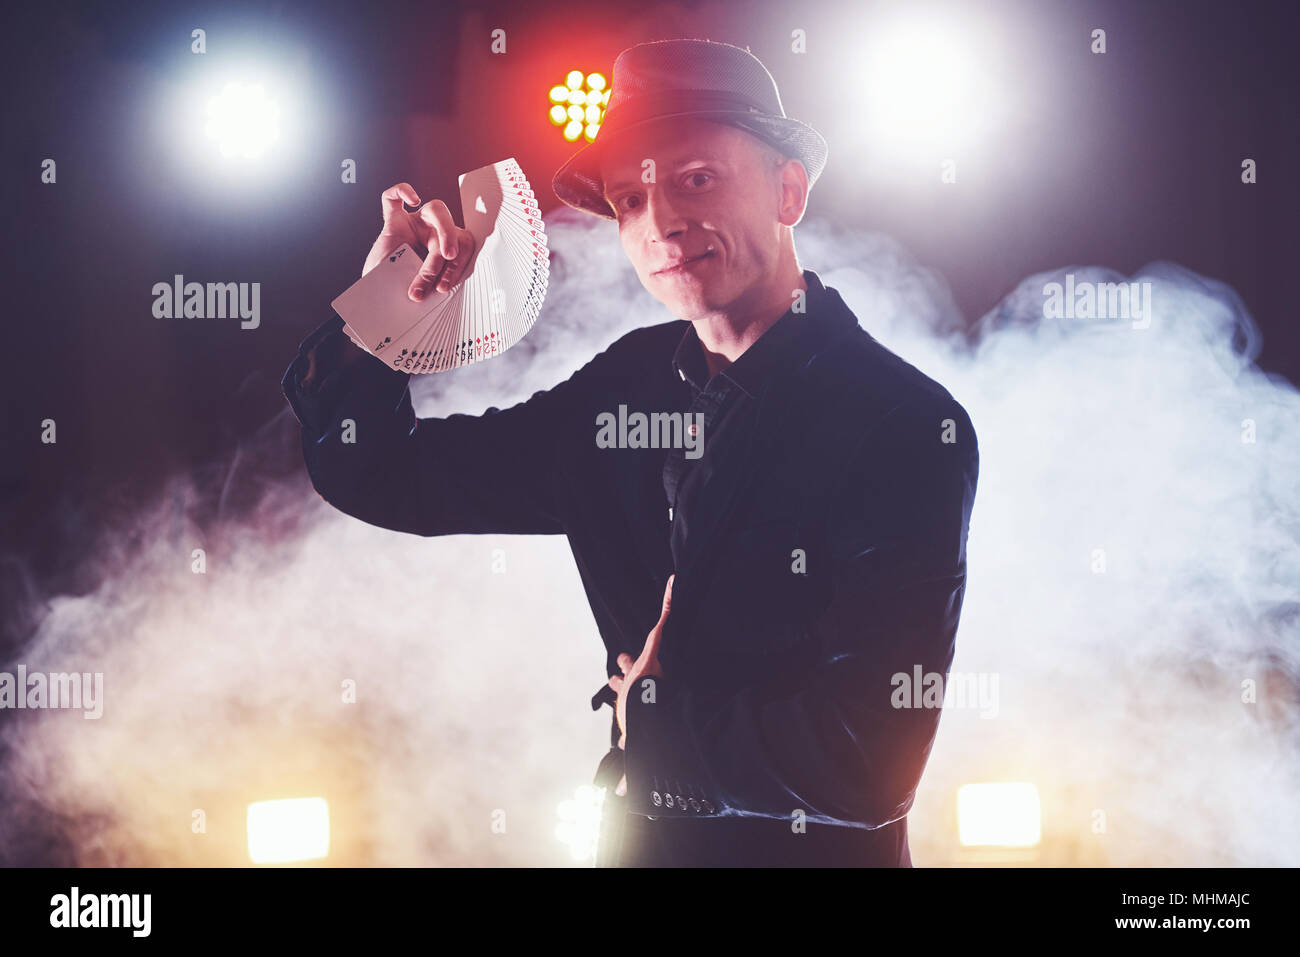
[579,825]
[296,829]
[586,98]
[239,129]
[929,90]
[243,120]
[1002,814]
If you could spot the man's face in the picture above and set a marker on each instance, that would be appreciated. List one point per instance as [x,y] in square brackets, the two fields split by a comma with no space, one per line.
[706,229]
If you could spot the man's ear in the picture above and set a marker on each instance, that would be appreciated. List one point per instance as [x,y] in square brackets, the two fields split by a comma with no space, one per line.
[793,179]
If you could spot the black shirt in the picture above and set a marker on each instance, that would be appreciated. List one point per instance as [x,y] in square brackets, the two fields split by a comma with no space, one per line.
[726,403]
[775,696]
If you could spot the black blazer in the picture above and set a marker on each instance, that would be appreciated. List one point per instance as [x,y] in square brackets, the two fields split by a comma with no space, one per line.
[835,560]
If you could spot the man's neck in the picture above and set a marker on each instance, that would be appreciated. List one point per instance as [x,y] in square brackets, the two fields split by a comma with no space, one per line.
[725,335]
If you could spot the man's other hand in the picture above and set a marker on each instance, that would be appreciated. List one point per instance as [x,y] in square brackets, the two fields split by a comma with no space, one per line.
[647,664]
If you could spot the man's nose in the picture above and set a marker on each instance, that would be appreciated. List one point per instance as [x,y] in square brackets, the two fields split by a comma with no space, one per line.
[665,216]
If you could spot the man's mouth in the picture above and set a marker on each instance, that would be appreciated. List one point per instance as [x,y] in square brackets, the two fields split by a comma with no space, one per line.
[682,265]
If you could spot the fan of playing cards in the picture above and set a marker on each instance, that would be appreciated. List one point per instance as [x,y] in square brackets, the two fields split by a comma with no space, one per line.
[483,315]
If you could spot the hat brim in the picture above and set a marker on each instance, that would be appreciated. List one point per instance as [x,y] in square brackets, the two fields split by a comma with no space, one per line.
[578,182]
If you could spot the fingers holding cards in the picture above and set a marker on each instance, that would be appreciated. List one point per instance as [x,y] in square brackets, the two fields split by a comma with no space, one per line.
[429,272]
[446,243]
[391,203]
[436,296]
[397,228]
[438,232]
[457,268]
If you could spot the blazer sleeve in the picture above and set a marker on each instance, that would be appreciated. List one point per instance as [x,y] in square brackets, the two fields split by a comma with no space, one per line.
[369,456]
[843,742]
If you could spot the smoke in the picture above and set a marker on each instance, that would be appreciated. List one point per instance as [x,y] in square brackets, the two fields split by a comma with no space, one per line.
[1132,562]
[1134,579]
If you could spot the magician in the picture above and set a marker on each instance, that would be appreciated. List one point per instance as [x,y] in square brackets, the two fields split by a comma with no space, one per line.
[756,601]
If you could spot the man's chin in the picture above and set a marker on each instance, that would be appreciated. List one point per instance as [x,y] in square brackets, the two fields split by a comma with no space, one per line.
[688,307]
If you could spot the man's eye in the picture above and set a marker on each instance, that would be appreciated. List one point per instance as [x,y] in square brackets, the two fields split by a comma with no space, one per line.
[698,178]
[623,202]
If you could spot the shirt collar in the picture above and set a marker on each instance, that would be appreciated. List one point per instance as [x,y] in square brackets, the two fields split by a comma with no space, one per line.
[755,366]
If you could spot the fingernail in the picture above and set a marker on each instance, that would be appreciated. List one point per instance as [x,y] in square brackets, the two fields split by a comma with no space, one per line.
[453,251]
[417,294]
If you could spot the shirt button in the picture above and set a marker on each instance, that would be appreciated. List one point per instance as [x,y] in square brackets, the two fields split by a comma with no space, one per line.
[656,799]
[682,373]
[670,513]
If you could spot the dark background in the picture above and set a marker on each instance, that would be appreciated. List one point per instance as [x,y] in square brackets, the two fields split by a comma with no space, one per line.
[1135,160]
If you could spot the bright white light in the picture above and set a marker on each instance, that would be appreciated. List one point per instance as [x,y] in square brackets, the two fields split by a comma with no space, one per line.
[928,89]
[242,128]
[243,120]
[579,825]
[297,829]
[1006,814]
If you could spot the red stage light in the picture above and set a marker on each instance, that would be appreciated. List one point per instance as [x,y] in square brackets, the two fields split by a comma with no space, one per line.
[578,104]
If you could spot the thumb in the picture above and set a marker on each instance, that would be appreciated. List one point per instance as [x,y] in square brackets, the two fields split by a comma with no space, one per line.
[668,601]
[655,638]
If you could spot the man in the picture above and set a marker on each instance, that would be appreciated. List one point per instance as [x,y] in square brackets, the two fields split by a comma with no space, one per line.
[816,548]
